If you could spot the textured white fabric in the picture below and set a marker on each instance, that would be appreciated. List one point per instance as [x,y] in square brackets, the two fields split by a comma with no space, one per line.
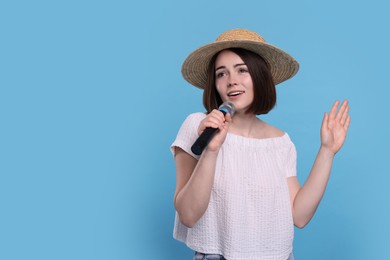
[249,213]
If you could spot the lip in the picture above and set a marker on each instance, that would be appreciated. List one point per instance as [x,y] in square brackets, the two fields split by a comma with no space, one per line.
[233,94]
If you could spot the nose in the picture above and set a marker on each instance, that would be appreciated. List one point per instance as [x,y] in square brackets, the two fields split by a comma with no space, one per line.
[231,81]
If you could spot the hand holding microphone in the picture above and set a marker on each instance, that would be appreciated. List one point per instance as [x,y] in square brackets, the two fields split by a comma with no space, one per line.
[208,134]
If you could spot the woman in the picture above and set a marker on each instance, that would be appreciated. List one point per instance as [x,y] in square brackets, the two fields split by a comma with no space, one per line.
[240,199]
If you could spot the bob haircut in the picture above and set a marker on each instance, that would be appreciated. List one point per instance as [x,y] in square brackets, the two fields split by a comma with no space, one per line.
[263,84]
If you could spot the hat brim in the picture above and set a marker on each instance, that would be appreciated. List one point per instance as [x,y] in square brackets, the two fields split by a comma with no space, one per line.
[282,65]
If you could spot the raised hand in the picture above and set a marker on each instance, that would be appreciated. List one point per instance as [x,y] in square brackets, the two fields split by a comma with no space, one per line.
[335,127]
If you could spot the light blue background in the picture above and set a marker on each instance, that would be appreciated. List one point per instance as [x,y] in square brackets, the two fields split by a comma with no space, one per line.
[91,97]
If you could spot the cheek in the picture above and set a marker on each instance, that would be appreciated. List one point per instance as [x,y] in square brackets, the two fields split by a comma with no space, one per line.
[219,91]
[249,84]
[248,81]
[218,87]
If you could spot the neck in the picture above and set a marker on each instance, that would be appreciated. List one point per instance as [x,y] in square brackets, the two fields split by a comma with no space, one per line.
[244,124]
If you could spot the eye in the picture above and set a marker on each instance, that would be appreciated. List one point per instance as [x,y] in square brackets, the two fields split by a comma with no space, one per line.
[243,70]
[220,74]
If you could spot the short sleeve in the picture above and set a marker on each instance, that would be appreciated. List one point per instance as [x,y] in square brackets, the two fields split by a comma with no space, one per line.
[188,133]
[291,161]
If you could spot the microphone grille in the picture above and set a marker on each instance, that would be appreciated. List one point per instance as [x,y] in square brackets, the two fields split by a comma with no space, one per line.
[228,107]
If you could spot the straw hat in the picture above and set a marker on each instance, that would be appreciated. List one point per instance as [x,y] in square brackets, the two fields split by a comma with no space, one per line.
[283,66]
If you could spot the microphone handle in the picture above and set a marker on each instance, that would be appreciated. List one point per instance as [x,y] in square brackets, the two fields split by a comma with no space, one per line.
[204,139]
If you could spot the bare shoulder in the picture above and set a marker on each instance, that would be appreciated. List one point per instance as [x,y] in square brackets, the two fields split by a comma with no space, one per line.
[266,130]
[274,131]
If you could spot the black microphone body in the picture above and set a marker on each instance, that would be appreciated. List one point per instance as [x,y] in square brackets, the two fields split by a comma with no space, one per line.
[208,134]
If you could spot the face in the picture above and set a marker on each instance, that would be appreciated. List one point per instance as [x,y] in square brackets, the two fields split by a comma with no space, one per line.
[233,81]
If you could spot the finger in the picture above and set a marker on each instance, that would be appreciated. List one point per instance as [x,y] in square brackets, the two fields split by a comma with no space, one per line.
[332,113]
[218,114]
[215,119]
[209,121]
[225,126]
[341,111]
[325,121]
[211,124]
[214,122]
[347,123]
[228,117]
[344,116]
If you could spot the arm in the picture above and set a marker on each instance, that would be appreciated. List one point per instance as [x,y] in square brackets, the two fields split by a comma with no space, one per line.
[194,179]
[306,199]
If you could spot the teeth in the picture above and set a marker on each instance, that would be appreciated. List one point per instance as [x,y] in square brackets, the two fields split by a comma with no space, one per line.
[235,93]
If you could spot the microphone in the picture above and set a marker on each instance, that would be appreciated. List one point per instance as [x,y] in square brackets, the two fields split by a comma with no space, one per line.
[204,139]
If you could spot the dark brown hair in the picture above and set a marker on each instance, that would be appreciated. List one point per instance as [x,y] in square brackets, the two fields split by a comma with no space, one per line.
[263,85]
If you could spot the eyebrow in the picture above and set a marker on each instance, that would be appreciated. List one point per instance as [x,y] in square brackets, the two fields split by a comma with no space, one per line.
[235,66]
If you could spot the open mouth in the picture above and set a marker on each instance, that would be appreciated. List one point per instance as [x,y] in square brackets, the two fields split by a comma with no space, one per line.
[235,93]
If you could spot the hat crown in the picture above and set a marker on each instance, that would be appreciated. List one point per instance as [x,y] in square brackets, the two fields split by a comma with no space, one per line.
[239,35]
[196,65]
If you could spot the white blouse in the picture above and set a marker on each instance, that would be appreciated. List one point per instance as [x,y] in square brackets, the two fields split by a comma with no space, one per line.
[249,213]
